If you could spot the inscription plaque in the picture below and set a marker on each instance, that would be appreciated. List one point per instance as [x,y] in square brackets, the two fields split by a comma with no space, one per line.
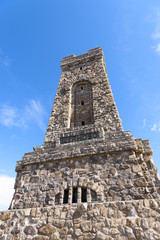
[77,138]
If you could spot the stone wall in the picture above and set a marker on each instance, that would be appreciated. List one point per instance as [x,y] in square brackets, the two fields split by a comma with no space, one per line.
[114,177]
[137,219]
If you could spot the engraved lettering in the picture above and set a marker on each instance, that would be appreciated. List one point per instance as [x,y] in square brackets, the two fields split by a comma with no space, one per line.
[78,138]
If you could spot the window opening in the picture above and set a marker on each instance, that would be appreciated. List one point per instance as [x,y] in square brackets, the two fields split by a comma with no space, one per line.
[47,199]
[83,123]
[93,196]
[82,102]
[81,90]
[74,195]
[84,195]
[80,68]
[57,199]
[65,196]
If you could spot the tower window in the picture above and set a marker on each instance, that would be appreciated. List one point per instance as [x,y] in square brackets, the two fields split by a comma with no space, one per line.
[57,199]
[74,195]
[93,196]
[84,195]
[81,90]
[65,197]
[47,199]
[83,123]
[80,68]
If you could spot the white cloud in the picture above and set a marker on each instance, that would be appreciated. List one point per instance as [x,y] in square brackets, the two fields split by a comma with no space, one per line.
[156,34]
[32,112]
[154,128]
[158,48]
[6,191]
[35,111]
[8,116]
[4,59]
[2,170]
[144,123]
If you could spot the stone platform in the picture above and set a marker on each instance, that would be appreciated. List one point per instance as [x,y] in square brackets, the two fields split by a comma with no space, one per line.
[138,219]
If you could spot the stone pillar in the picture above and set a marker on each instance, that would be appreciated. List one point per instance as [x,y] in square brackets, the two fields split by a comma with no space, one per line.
[88,195]
[61,198]
[79,195]
[70,195]
[99,197]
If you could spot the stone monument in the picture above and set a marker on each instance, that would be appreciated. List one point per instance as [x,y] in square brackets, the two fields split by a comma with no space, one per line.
[90,180]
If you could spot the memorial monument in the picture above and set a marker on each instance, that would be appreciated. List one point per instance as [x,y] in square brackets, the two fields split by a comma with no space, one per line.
[90,180]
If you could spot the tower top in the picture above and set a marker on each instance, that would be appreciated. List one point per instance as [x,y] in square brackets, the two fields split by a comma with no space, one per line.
[84,98]
[72,59]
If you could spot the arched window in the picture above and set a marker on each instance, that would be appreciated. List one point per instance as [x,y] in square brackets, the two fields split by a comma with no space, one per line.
[75,196]
[82,104]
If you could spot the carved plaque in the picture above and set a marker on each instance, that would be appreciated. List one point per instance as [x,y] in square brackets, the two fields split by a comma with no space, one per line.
[77,138]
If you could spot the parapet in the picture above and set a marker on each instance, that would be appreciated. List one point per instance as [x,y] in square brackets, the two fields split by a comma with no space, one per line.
[72,59]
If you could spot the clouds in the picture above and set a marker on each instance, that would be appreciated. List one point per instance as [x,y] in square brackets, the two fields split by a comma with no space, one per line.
[158,48]
[4,59]
[144,123]
[33,112]
[6,191]
[156,33]
[8,116]
[153,127]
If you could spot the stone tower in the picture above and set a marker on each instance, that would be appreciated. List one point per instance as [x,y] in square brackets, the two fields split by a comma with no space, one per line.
[90,180]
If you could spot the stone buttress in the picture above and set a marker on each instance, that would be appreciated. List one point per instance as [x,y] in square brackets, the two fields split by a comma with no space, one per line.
[90,179]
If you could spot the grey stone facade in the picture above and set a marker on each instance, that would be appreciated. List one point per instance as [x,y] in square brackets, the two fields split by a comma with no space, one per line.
[89,179]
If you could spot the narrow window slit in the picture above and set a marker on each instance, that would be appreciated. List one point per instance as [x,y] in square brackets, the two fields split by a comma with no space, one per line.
[57,199]
[82,102]
[47,199]
[84,195]
[65,196]
[74,195]
[83,123]
[93,196]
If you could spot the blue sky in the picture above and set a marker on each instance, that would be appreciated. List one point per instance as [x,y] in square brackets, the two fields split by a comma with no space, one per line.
[34,37]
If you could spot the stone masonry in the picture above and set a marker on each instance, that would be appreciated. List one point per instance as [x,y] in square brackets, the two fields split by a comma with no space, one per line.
[90,180]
